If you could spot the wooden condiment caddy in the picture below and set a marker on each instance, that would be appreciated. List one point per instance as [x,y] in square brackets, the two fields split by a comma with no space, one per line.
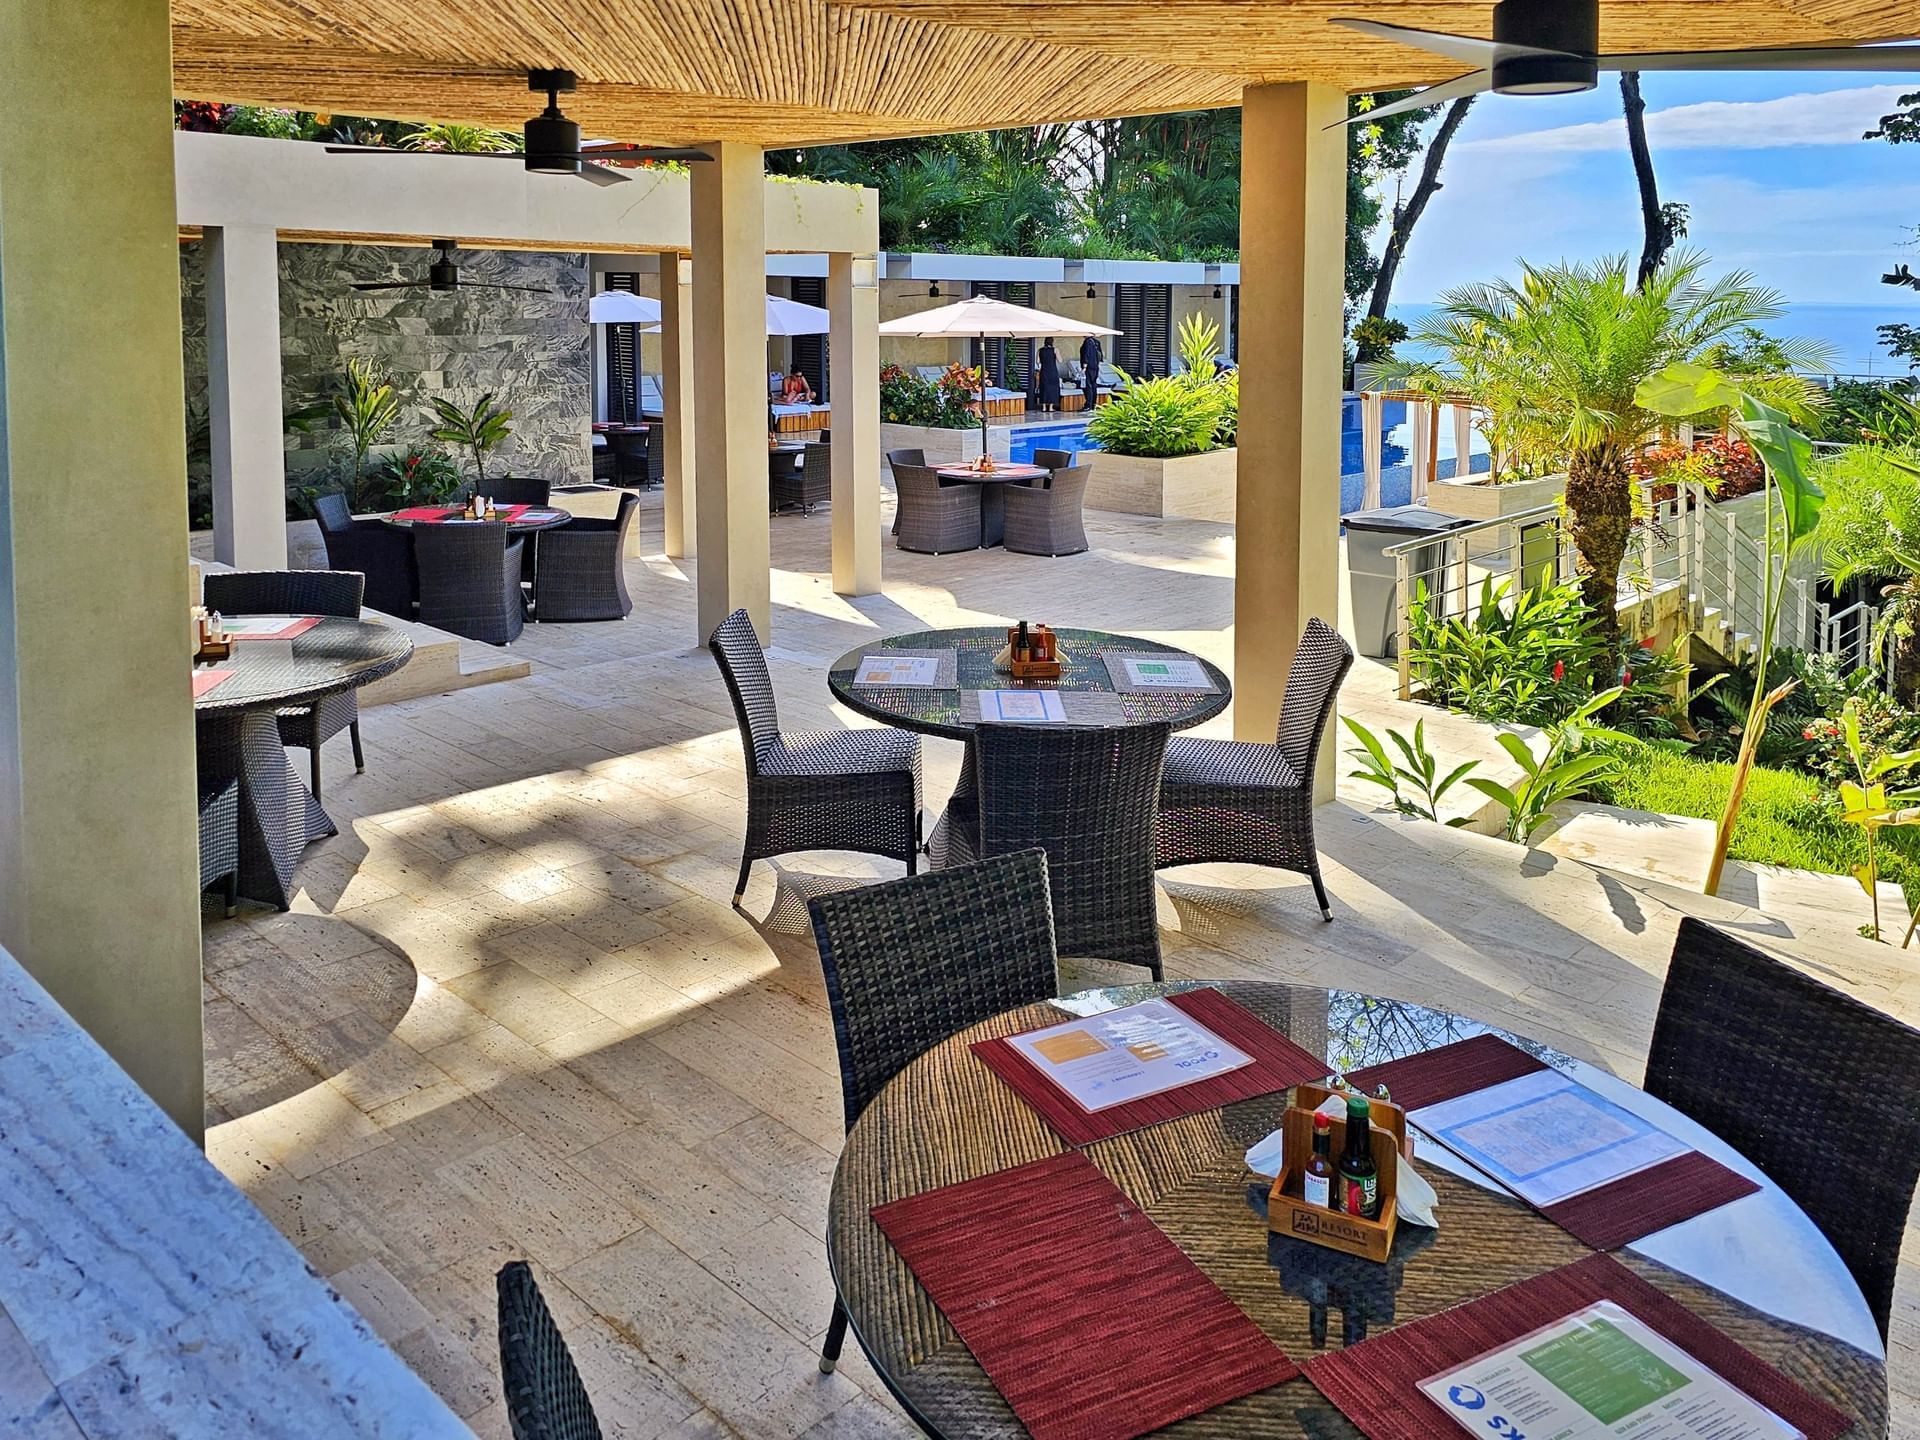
[1042,660]
[1287,1210]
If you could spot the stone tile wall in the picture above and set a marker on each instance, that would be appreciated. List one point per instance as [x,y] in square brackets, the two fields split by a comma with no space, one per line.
[533,351]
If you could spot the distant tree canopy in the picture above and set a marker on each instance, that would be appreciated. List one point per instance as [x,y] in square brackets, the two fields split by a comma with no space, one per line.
[1902,127]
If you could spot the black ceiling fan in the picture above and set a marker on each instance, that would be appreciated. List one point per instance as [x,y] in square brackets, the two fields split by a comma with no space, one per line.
[1551,47]
[443,275]
[551,142]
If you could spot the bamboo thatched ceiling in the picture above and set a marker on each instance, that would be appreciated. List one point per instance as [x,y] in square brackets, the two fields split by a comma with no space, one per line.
[793,72]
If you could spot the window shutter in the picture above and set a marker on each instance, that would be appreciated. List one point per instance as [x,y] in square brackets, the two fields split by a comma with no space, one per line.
[623,359]
[810,351]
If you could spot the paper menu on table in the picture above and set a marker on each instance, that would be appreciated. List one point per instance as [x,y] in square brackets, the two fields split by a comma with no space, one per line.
[1168,674]
[1599,1373]
[1022,707]
[257,624]
[1546,1137]
[909,670]
[1128,1054]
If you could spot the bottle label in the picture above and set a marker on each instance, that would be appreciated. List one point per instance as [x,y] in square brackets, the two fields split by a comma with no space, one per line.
[1361,1197]
[1318,1190]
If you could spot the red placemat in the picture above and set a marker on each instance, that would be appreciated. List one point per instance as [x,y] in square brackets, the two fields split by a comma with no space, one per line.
[1092,1323]
[287,631]
[1278,1064]
[1447,1073]
[205,680]
[1633,1206]
[428,513]
[1373,1383]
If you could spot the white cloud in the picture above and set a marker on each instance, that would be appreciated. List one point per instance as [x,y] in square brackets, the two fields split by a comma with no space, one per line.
[1830,117]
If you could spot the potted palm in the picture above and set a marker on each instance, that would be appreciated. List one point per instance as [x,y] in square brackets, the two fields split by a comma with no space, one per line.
[366,406]
[478,429]
[1556,359]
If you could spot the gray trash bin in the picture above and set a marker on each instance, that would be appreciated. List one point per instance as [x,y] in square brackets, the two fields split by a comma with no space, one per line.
[1369,532]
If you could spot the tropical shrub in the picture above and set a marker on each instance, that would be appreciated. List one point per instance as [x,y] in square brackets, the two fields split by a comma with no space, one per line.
[265,120]
[457,139]
[1374,339]
[1160,418]
[1867,804]
[478,429]
[907,399]
[1723,465]
[1870,529]
[1414,781]
[367,408]
[1576,759]
[418,475]
[1870,411]
[1516,659]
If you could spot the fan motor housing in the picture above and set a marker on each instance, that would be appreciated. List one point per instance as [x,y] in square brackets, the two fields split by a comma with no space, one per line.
[553,145]
[1571,27]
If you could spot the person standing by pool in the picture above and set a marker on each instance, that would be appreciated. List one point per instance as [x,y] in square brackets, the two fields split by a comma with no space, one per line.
[1049,376]
[1092,356]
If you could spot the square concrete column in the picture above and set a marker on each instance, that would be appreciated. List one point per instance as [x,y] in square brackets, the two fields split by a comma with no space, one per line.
[99,876]
[676,394]
[853,358]
[243,397]
[730,386]
[1292,273]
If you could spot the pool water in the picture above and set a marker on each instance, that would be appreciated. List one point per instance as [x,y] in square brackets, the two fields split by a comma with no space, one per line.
[1396,475]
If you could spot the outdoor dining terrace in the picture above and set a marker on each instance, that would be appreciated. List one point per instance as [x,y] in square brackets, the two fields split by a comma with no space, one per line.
[513,1014]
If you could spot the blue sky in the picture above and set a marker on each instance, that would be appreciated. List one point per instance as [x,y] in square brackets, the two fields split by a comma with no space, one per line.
[1772,166]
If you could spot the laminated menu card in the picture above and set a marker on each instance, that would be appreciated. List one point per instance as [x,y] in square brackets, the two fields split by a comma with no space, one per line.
[1546,1137]
[890,670]
[1598,1374]
[1021,707]
[1170,673]
[1127,1054]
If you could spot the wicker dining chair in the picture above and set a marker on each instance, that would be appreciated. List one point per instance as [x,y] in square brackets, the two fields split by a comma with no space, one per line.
[381,552]
[818,789]
[582,574]
[1047,520]
[1249,802]
[906,455]
[220,841]
[517,490]
[911,962]
[298,592]
[1802,1080]
[934,519]
[470,580]
[1087,796]
[546,1399]
[1053,461]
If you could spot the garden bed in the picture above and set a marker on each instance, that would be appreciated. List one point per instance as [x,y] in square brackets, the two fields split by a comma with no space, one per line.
[1193,487]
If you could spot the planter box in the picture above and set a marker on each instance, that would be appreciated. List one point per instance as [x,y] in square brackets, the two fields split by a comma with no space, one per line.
[1478,500]
[1194,487]
[943,447]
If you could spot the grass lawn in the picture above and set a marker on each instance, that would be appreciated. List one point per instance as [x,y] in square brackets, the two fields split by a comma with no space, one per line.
[1787,819]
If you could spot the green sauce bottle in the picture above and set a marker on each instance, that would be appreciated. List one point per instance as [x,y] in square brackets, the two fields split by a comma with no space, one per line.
[1359,1178]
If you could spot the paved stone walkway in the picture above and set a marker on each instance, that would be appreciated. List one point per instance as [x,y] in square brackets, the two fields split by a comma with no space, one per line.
[513,1014]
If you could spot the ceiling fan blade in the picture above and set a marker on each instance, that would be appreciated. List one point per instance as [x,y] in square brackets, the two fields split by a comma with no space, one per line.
[393,285]
[1866,58]
[492,285]
[1467,49]
[397,150]
[1478,82]
[600,174]
[643,152]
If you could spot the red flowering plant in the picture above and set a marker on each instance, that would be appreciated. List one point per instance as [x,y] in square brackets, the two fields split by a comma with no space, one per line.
[1725,465]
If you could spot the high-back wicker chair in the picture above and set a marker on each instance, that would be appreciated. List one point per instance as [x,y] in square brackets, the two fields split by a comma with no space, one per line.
[470,580]
[907,455]
[1047,521]
[518,490]
[1797,1077]
[381,552]
[1252,803]
[582,574]
[1053,461]
[298,592]
[814,790]
[800,482]
[912,962]
[1088,798]
[931,518]
[546,1399]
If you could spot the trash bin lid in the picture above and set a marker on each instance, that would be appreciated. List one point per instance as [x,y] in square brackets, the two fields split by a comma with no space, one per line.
[1405,520]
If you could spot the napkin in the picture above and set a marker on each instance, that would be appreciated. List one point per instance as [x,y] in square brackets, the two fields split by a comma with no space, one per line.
[1413,1194]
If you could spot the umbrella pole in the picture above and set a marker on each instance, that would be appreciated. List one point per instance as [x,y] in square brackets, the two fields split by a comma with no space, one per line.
[983,399]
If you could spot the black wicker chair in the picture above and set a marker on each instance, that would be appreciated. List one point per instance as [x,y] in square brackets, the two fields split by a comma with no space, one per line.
[381,552]
[808,485]
[632,457]
[1236,800]
[1047,520]
[1768,1059]
[932,518]
[819,789]
[220,841]
[1087,797]
[912,962]
[518,490]
[908,455]
[1054,460]
[546,1399]
[470,581]
[582,573]
[298,592]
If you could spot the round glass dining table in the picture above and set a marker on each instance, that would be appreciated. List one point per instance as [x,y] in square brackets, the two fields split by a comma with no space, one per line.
[531,518]
[1757,1269]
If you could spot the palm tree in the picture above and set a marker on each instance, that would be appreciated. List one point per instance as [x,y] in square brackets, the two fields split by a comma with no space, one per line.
[1557,357]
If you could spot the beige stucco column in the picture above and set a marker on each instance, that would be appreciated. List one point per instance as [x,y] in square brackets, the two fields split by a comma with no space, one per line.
[853,358]
[730,386]
[243,397]
[99,880]
[676,396]
[1292,269]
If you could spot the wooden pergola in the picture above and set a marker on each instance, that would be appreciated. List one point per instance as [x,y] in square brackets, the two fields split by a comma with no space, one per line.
[97,774]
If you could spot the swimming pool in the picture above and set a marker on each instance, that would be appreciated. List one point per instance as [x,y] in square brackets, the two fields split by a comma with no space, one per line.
[1396,475]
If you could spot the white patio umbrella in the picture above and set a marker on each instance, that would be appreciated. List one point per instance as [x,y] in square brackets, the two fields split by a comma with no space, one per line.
[983,318]
[790,317]
[622,307]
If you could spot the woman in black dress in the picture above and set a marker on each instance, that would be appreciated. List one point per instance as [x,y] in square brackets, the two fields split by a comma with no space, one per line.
[1049,377]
